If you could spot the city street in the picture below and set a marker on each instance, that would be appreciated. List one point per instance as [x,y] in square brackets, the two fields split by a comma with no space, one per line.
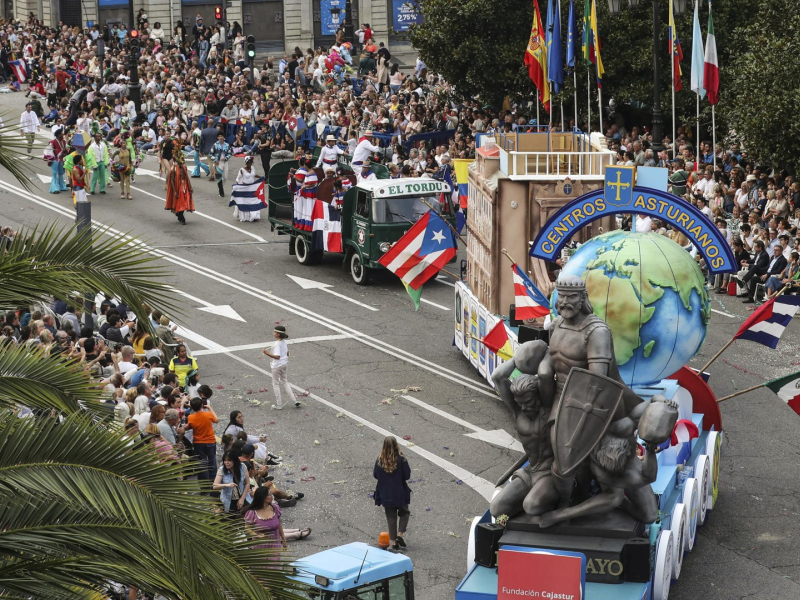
[365,365]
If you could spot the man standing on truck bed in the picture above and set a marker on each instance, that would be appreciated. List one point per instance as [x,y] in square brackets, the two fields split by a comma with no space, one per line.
[362,152]
[329,154]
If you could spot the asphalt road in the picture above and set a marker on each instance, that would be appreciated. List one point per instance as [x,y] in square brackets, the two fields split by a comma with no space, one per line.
[353,368]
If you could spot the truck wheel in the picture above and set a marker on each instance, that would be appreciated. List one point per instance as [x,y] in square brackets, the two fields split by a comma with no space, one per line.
[358,271]
[304,254]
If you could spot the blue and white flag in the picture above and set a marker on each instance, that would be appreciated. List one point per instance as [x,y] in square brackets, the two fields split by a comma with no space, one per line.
[249,197]
[767,324]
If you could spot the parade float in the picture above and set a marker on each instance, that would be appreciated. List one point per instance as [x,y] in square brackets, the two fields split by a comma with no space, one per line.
[622,439]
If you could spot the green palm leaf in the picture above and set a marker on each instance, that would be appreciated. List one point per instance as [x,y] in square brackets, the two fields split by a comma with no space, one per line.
[55,261]
[11,150]
[104,510]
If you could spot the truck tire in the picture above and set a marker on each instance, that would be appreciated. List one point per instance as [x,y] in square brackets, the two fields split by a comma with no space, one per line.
[358,271]
[302,250]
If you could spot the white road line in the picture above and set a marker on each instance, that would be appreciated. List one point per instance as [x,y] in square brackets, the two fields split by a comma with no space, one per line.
[291,342]
[479,484]
[439,306]
[719,312]
[498,437]
[443,279]
[270,298]
[210,218]
[195,298]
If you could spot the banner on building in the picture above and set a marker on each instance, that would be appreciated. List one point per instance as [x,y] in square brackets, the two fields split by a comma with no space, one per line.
[332,15]
[405,14]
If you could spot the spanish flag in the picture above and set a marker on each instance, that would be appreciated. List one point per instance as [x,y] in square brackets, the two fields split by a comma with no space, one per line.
[536,57]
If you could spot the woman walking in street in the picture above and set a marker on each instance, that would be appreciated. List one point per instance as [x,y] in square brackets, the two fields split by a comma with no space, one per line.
[179,189]
[124,161]
[59,146]
[280,364]
[392,491]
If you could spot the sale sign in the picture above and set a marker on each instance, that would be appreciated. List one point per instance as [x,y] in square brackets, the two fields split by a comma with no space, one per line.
[525,573]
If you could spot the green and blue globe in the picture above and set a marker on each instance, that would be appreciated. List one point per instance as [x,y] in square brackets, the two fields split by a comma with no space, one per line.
[651,293]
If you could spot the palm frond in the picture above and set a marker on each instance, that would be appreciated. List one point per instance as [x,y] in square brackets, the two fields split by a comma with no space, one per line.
[29,377]
[12,147]
[109,511]
[56,261]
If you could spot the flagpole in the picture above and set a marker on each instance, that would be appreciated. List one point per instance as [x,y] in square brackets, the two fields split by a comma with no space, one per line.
[697,141]
[714,136]
[588,104]
[537,114]
[739,393]
[672,62]
[575,93]
[600,106]
[508,256]
[458,235]
[562,115]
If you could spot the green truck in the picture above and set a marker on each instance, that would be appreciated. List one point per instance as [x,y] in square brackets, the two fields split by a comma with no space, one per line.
[375,214]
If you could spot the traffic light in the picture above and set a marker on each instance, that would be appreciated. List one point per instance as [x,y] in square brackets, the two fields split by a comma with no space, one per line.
[134,39]
[218,13]
[251,46]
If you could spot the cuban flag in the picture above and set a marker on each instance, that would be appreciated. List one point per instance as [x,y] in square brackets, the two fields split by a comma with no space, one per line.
[422,251]
[20,69]
[529,301]
[327,228]
[249,197]
[767,324]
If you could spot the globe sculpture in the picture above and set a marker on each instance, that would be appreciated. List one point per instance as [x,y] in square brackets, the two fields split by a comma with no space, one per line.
[651,293]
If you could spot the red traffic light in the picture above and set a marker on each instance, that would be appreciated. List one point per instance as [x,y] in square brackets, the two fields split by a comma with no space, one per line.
[218,13]
[134,33]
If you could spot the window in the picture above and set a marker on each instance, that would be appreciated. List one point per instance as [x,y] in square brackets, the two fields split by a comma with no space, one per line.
[362,206]
[406,210]
[387,589]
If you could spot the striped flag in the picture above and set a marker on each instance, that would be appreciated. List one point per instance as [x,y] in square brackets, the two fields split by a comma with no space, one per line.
[497,341]
[536,57]
[422,251]
[530,302]
[591,40]
[326,227]
[248,197]
[788,389]
[767,324]
[20,69]
[698,55]
[711,63]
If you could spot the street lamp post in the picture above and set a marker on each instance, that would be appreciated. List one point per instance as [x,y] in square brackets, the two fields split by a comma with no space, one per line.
[614,7]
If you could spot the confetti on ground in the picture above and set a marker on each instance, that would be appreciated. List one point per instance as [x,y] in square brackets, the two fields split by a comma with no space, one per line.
[306,414]
[370,495]
[410,444]
[336,495]
[446,447]
[339,482]
[335,460]
[304,468]
[316,442]
[339,415]
[248,262]
[249,392]
[428,508]
[459,482]
[262,390]
[290,481]
[386,401]
[359,425]
[455,535]
[452,454]
[309,478]
[219,387]
[272,422]
[406,437]
[255,402]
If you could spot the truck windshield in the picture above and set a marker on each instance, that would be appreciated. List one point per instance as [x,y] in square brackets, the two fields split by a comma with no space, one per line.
[406,209]
[317,594]
[386,589]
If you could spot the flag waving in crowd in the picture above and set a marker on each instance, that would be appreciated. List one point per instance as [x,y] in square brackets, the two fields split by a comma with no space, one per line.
[767,324]
[497,341]
[530,302]
[591,39]
[536,57]
[249,199]
[421,252]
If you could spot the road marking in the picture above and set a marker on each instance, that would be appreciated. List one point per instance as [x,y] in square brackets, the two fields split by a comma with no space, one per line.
[223,310]
[44,178]
[479,484]
[719,312]
[309,284]
[291,342]
[434,304]
[269,298]
[442,279]
[205,216]
[497,437]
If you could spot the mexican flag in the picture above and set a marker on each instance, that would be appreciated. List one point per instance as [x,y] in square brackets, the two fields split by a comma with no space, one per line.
[711,64]
[788,389]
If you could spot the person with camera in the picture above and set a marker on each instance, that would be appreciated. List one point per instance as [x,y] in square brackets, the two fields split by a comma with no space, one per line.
[204,442]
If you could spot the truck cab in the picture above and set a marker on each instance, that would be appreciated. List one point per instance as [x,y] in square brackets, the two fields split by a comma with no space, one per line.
[377,213]
[355,571]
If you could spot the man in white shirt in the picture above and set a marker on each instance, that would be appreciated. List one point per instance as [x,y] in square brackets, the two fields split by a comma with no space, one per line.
[644,224]
[362,152]
[126,360]
[329,154]
[29,126]
[702,184]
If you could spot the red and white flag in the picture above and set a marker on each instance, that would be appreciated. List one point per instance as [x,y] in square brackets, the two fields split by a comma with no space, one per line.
[711,64]
[529,301]
[326,227]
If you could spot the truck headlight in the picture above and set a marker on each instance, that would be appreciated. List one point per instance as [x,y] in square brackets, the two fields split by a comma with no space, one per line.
[384,247]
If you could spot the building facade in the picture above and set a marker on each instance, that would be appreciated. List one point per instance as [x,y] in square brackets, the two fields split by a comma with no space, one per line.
[281,24]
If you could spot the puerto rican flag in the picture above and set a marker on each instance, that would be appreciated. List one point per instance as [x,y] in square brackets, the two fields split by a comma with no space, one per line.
[767,324]
[20,69]
[422,251]
[326,228]
[249,197]
[788,389]
[529,301]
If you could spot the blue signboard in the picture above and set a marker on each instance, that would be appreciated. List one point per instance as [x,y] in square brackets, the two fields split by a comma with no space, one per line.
[621,195]
[404,14]
[111,3]
[332,15]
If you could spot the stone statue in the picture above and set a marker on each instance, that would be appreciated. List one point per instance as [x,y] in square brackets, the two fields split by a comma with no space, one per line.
[531,488]
[591,426]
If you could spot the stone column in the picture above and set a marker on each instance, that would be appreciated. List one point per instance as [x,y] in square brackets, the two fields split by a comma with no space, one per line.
[298,24]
